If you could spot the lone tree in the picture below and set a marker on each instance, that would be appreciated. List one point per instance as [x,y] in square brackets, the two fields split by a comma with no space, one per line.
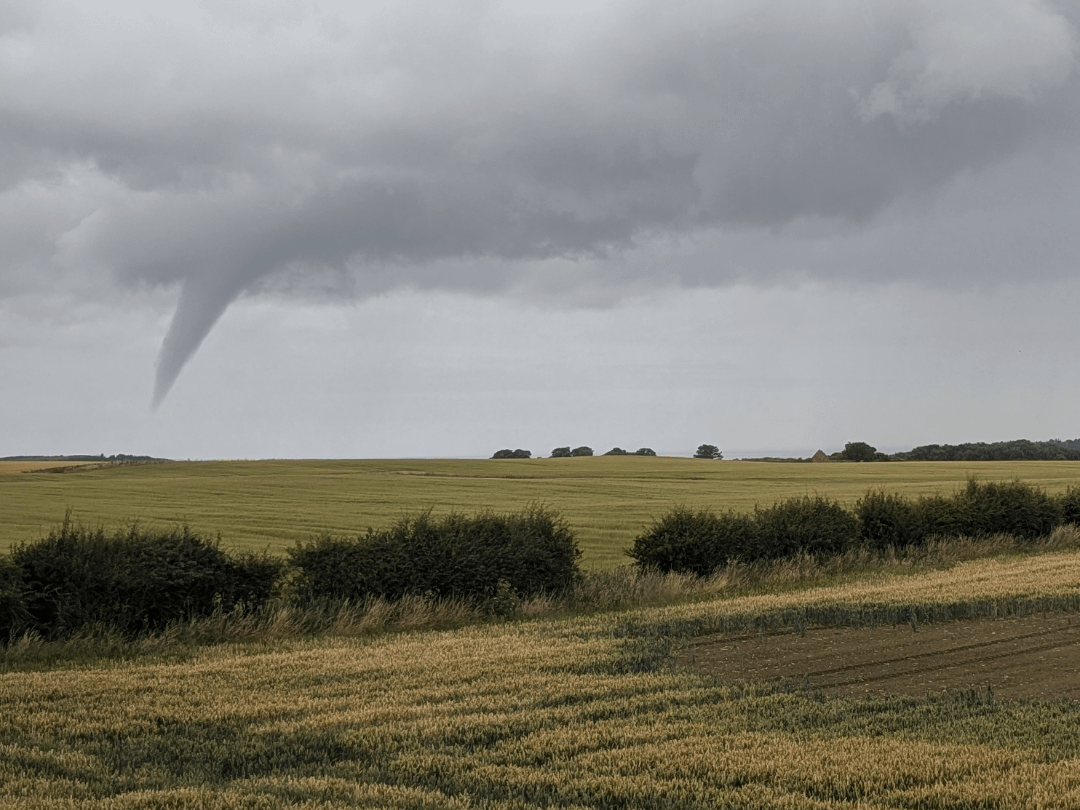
[645,451]
[616,451]
[708,451]
[859,451]
[561,452]
[581,451]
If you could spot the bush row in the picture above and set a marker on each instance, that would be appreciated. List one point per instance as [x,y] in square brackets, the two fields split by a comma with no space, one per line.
[135,580]
[139,580]
[700,540]
[454,556]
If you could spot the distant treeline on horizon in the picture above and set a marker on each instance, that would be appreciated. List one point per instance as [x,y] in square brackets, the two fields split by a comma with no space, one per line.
[1015,450]
[101,458]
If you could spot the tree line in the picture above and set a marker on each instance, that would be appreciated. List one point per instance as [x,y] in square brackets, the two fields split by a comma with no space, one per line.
[1015,450]
[703,451]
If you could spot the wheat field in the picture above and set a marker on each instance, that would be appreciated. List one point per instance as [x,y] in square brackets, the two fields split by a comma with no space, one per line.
[573,712]
[606,500]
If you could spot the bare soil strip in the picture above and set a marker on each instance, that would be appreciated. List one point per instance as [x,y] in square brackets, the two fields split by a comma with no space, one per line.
[1029,657]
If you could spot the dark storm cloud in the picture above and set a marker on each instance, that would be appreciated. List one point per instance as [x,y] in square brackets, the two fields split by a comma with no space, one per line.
[227,147]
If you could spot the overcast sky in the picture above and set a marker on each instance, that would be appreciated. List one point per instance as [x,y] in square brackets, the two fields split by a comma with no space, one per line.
[280,228]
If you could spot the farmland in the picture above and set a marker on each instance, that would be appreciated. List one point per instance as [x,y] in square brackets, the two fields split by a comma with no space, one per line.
[606,500]
[587,711]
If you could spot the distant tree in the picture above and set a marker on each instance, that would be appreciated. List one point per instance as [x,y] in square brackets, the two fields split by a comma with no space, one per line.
[512,454]
[581,451]
[645,451]
[616,451]
[561,452]
[708,451]
[859,451]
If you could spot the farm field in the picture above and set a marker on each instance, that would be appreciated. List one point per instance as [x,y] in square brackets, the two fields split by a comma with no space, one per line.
[591,711]
[1036,656]
[606,500]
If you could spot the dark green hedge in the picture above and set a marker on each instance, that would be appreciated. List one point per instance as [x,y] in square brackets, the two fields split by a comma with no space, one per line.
[13,613]
[699,541]
[695,541]
[134,580]
[138,580]
[816,525]
[532,551]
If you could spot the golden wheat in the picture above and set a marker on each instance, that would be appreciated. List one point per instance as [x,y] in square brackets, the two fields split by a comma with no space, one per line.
[531,714]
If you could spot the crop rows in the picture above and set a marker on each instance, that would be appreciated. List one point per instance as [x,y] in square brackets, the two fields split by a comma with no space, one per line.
[581,712]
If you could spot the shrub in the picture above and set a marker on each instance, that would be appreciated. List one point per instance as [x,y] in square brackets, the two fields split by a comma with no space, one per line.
[616,451]
[519,453]
[979,509]
[135,580]
[887,519]
[581,451]
[644,451]
[936,515]
[533,551]
[1005,507]
[694,541]
[698,541]
[1069,505]
[13,613]
[815,526]
[561,452]
[685,540]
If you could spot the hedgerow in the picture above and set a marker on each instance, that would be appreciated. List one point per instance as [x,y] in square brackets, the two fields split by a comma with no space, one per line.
[13,613]
[699,541]
[137,581]
[818,526]
[134,580]
[695,540]
[529,552]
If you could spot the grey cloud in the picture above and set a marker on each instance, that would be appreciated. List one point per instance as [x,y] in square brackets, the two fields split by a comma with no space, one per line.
[963,52]
[227,148]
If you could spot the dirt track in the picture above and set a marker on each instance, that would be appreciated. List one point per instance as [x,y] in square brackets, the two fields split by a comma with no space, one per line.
[1030,657]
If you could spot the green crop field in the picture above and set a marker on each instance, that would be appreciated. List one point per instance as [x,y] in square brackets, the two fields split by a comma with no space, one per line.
[607,500]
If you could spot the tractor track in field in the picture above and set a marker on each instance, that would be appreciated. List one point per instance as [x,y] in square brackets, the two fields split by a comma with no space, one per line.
[1020,657]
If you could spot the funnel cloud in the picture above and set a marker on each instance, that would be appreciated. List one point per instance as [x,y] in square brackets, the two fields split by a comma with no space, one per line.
[344,150]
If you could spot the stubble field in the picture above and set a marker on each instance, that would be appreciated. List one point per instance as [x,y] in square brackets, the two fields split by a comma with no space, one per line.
[606,500]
